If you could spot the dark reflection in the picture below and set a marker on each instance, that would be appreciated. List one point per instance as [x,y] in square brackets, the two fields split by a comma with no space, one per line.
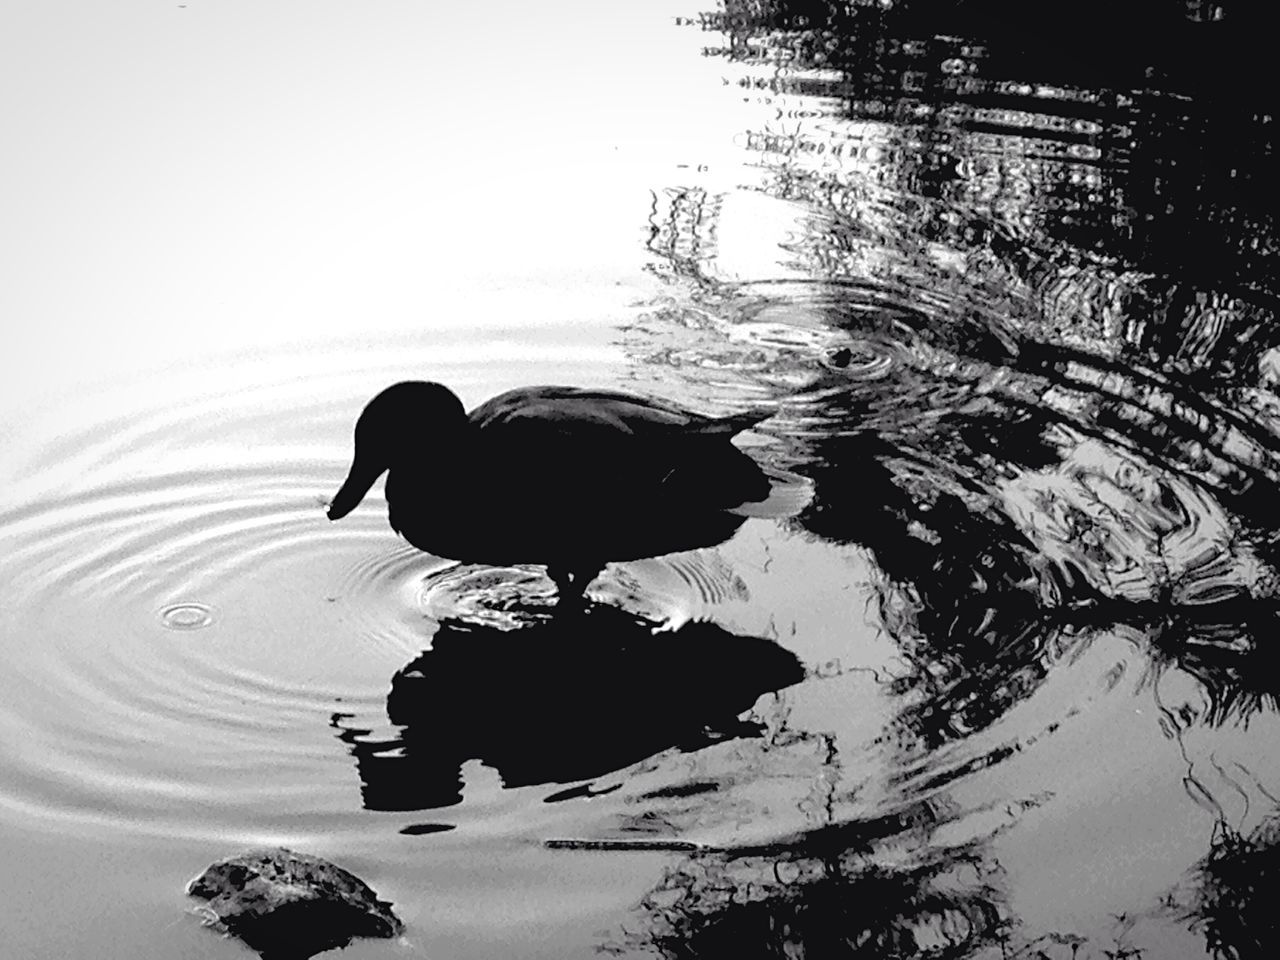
[813,906]
[1054,411]
[1201,46]
[963,596]
[1025,346]
[873,889]
[1232,902]
[882,887]
[1226,648]
[1005,549]
[565,699]
[973,678]
[1068,193]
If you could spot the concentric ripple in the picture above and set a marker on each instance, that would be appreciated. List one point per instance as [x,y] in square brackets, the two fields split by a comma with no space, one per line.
[152,664]
[186,616]
[182,623]
[667,591]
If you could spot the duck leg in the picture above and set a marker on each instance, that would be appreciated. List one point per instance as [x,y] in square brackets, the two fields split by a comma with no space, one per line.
[572,582]
[563,580]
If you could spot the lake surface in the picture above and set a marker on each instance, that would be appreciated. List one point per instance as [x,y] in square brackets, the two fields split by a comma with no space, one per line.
[998,689]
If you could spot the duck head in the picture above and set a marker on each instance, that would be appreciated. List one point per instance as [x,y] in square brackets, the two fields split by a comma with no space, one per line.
[390,432]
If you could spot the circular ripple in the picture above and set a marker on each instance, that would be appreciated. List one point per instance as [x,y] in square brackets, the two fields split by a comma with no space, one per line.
[667,591]
[206,514]
[863,359]
[194,502]
[501,597]
[187,616]
[378,594]
[103,721]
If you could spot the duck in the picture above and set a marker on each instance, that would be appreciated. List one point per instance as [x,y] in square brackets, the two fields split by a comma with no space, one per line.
[565,477]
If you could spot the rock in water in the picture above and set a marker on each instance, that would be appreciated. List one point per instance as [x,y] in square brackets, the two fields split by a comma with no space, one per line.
[290,906]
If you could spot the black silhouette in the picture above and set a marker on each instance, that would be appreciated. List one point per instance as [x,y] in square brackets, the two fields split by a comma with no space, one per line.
[563,700]
[556,475]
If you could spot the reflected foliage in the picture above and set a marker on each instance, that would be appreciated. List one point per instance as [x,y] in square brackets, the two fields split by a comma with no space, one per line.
[1236,888]
[1046,400]
[1017,312]
[1022,129]
[567,698]
[1080,205]
[823,901]
[1198,46]
[869,889]
[1227,649]
[1006,533]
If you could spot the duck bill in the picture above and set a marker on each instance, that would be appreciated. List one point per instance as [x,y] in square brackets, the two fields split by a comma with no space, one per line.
[353,489]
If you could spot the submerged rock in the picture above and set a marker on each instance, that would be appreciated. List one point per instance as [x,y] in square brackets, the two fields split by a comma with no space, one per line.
[290,906]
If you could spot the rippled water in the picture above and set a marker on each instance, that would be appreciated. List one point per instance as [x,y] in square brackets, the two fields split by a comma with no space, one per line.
[993,685]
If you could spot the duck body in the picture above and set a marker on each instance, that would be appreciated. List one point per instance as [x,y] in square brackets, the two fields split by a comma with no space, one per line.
[562,476]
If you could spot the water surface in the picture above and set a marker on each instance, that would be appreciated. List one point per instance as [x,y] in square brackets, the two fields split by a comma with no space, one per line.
[996,690]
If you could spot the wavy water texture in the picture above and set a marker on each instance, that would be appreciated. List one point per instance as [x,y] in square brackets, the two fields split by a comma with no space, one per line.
[183,621]
[990,677]
[152,670]
[1131,531]
[1017,315]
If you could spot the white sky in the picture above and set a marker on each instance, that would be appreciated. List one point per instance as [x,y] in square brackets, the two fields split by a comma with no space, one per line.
[179,181]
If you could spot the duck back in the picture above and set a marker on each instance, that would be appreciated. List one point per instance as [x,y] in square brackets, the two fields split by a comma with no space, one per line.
[560,474]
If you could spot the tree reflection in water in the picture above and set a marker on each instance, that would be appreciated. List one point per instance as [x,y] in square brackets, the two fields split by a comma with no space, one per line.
[811,904]
[1019,323]
[1233,893]
[879,889]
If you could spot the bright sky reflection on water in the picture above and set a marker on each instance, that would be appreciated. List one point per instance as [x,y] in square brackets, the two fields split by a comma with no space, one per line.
[201,178]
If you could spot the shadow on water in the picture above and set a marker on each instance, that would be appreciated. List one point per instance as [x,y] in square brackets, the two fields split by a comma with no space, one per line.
[1018,320]
[565,698]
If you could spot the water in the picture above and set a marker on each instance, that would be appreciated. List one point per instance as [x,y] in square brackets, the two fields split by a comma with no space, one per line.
[997,690]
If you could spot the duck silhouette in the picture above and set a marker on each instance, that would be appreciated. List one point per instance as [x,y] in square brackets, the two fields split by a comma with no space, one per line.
[566,477]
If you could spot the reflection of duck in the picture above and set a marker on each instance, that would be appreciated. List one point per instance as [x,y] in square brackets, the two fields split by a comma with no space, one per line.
[563,700]
[557,475]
